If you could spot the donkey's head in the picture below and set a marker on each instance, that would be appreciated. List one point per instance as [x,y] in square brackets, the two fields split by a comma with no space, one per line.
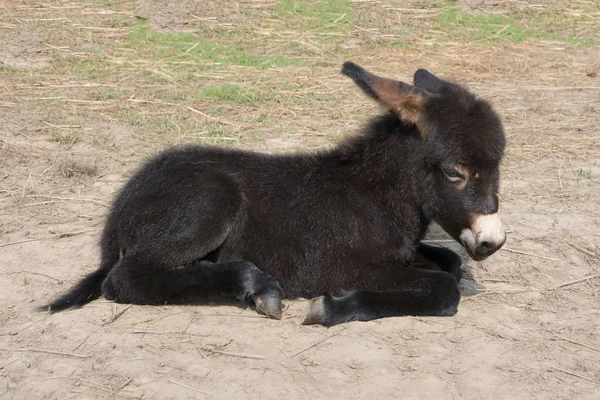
[463,143]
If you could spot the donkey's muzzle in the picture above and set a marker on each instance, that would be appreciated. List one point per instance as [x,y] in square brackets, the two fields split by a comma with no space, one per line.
[485,236]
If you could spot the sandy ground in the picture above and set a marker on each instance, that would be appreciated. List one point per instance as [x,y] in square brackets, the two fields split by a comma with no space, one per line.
[527,327]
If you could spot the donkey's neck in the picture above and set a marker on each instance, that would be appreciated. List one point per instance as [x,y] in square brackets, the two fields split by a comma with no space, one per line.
[387,157]
[388,161]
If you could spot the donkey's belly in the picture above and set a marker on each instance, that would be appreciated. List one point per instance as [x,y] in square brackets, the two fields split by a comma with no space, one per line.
[313,271]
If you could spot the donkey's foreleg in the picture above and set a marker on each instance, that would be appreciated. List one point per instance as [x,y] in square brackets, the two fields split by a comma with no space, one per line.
[432,293]
[437,258]
[135,281]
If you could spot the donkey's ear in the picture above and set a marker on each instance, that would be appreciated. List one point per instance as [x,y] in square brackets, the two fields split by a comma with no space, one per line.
[427,81]
[404,100]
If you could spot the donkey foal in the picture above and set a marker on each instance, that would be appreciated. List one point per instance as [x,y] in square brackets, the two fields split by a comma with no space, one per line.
[200,222]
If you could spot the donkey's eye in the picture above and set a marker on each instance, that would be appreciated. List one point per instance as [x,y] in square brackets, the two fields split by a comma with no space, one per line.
[453,175]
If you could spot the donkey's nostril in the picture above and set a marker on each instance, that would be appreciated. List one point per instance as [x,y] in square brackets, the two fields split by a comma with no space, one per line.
[484,249]
[485,246]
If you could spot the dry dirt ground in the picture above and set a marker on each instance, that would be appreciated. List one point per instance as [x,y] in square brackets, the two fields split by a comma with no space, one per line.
[83,102]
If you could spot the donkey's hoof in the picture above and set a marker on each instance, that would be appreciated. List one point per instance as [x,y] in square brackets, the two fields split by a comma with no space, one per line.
[270,306]
[315,313]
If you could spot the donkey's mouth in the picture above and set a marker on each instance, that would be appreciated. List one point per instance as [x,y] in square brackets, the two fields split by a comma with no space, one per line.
[473,254]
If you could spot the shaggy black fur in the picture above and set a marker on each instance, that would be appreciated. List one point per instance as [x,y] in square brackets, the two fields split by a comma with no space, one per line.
[195,222]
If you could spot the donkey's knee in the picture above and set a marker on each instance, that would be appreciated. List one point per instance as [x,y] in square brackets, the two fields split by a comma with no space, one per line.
[117,289]
[109,288]
[123,287]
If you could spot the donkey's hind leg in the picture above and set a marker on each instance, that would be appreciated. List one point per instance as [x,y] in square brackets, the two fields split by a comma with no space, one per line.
[137,280]
[418,292]
[168,228]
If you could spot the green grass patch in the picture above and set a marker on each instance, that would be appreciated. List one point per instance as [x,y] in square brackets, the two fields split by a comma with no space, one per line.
[225,49]
[131,117]
[62,138]
[213,134]
[122,21]
[316,16]
[164,124]
[232,93]
[164,58]
[95,67]
[517,25]
[466,27]
[106,93]
[214,130]
[310,27]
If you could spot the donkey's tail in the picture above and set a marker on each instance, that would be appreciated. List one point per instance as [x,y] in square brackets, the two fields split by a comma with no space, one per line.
[88,289]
